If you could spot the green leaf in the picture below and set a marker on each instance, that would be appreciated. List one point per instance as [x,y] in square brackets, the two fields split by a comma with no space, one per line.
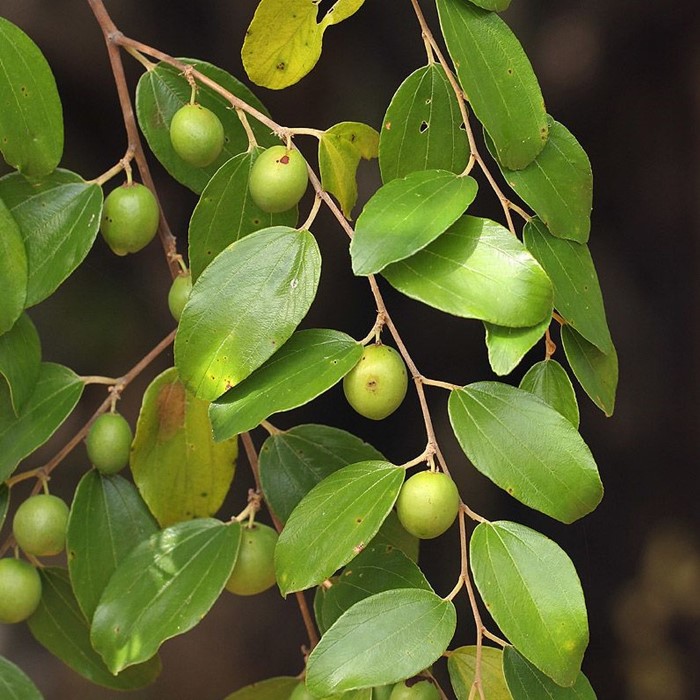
[163,90]
[244,307]
[13,271]
[4,503]
[294,461]
[307,365]
[410,627]
[107,520]
[493,5]
[319,597]
[226,212]
[527,448]
[577,294]
[20,361]
[422,127]
[60,626]
[558,184]
[279,688]
[340,149]
[58,219]
[55,395]
[498,79]
[525,681]
[407,214]
[532,591]
[31,118]
[549,380]
[508,346]
[477,269]
[179,470]
[284,40]
[15,684]
[393,534]
[163,588]
[376,569]
[461,664]
[334,522]
[597,372]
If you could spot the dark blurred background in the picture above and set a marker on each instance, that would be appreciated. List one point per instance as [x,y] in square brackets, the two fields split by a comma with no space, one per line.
[624,76]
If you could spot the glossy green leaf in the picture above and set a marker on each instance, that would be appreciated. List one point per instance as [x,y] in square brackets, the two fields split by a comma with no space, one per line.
[507,346]
[334,522]
[292,462]
[558,184]
[461,664]
[244,307]
[20,361]
[58,219]
[55,395]
[4,503]
[407,214]
[226,212]
[493,5]
[307,365]
[340,150]
[284,40]
[409,627]
[477,269]
[422,127]
[526,681]
[163,90]
[13,271]
[15,684]
[596,372]
[377,568]
[527,448]
[31,118]
[532,591]
[498,79]
[179,470]
[393,534]
[577,294]
[279,688]
[319,597]
[60,626]
[549,380]
[163,588]
[107,520]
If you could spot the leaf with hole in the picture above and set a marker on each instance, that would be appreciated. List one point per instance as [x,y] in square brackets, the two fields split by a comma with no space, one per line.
[13,272]
[507,346]
[549,380]
[461,664]
[20,362]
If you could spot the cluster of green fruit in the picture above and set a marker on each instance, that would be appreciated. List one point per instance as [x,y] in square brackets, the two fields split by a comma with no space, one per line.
[416,688]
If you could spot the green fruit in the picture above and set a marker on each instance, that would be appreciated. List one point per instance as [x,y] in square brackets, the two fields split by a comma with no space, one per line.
[39,525]
[197,135]
[382,692]
[428,504]
[129,218]
[254,571]
[417,688]
[301,693]
[179,294]
[376,385]
[20,590]
[108,443]
[278,179]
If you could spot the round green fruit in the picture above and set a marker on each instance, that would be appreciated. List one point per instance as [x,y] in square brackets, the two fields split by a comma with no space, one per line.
[197,135]
[108,443]
[254,571]
[278,179]
[179,294]
[20,590]
[39,525]
[428,504]
[129,218]
[376,385]
[382,692]
[417,688]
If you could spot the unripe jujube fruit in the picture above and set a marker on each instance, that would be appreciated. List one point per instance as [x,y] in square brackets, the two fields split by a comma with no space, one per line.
[415,689]
[382,692]
[197,135]
[254,571]
[129,218]
[376,385]
[179,294]
[108,443]
[39,525]
[278,179]
[428,504]
[20,590]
